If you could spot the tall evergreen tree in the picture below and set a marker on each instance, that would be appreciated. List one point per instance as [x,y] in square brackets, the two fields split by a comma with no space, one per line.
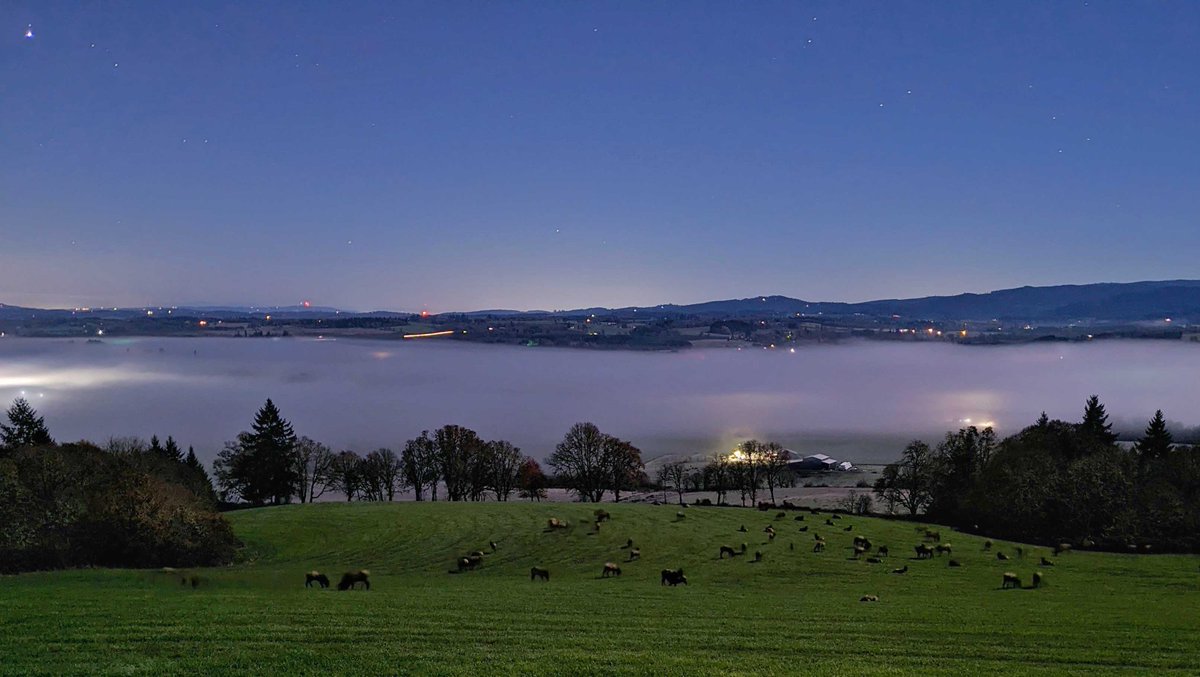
[155,446]
[171,450]
[25,428]
[1156,442]
[200,472]
[260,467]
[1095,422]
[273,442]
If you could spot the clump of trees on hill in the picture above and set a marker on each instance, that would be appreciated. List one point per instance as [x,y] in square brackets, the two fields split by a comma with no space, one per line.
[269,465]
[1056,481]
[592,463]
[753,467]
[124,504]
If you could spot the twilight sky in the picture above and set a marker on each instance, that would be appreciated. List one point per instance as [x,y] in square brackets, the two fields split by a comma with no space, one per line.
[462,155]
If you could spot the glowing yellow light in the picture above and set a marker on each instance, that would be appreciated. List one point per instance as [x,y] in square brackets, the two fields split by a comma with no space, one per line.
[203,323]
[962,333]
[430,334]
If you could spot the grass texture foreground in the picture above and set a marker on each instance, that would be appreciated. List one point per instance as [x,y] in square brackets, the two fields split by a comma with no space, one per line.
[795,612]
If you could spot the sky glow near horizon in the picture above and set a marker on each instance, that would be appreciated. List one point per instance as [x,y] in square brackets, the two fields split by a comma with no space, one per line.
[453,156]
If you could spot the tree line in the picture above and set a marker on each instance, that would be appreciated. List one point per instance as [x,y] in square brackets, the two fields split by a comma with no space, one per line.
[1056,481]
[752,468]
[269,464]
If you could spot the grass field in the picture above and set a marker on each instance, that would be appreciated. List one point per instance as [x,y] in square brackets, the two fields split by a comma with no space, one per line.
[795,612]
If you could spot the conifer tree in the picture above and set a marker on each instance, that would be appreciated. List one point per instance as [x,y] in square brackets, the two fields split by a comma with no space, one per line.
[1156,442]
[1095,422]
[25,428]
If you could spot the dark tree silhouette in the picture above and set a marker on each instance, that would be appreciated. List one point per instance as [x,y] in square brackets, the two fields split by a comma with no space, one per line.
[717,476]
[382,474]
[260,467]
[460,452]
[1095,422]
[532,481]
[203,481]
[908,482]
[579,461]
[1156,441]
[506,462]
[25,428]
[625,466]
[673,475]
[419,463]
[346,474]
[313,464]
[171,449]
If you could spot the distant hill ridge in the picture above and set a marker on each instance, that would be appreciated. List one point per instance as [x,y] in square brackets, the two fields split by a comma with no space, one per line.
[1100,302]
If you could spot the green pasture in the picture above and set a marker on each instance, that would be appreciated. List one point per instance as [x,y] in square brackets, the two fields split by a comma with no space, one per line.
[795,612]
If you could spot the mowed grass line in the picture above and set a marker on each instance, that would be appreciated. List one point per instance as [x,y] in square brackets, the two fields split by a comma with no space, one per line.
[795,612]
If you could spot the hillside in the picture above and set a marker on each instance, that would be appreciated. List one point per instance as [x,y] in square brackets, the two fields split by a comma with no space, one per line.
[797,611]
[1102,302]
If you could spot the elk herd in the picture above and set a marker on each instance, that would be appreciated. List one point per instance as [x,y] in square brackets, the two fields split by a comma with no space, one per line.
[931,547]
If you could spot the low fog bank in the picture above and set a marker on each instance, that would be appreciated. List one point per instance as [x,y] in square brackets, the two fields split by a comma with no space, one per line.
[859,401]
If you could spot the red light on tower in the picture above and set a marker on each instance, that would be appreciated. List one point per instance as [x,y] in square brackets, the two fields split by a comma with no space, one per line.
[306,304]
[424,313]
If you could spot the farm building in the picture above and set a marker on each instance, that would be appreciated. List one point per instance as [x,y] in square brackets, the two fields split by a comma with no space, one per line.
[819,463]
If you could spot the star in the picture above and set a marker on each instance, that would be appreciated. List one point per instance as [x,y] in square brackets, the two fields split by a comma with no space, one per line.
[29,31]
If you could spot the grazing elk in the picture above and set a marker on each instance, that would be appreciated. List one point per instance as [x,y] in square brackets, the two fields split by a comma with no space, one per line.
[1010,580]
[673,577]
[350,579]
[316,577]
[538,572]
[728,550]
[610,569]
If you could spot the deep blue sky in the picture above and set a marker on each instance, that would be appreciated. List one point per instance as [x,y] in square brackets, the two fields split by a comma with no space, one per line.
[459,155]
